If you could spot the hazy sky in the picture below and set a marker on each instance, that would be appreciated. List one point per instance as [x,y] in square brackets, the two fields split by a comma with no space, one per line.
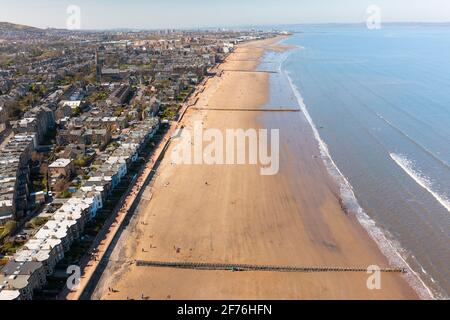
[98,14]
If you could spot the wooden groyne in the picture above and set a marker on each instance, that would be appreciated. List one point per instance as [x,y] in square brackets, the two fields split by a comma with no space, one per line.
[252,60]
[253,267]
[249,71]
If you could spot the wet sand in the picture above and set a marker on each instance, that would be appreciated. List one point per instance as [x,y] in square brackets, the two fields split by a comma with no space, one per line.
[232,214]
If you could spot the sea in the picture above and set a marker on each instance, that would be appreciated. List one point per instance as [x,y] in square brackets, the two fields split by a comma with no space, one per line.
[378,102]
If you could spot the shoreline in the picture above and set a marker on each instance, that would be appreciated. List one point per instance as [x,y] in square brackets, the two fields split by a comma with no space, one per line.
[292,218]
[376,233]
[350,205]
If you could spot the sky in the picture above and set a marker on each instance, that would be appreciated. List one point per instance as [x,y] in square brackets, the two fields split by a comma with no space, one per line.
[163,14]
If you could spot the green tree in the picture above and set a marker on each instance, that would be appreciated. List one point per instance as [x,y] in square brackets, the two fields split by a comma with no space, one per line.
[66,194]
[8,229]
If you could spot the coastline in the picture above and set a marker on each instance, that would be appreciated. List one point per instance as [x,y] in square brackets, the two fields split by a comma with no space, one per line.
[350,204]
[389,247]
[294,218]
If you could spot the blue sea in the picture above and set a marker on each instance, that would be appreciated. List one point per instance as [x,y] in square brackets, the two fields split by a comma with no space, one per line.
[379,104]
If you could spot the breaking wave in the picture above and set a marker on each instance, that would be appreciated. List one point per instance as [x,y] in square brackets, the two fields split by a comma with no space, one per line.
[423,181]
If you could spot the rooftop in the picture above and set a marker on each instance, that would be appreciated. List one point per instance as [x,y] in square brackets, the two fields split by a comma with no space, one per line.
[60,163]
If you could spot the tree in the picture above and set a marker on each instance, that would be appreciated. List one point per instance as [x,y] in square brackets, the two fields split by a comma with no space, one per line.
[65,194]
[81,161]
[8,229]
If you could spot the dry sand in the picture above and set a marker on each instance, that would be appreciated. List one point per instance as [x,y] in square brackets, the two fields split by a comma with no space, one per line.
[240,216]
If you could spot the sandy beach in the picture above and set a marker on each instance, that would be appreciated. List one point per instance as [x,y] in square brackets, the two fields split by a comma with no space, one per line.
[232,214]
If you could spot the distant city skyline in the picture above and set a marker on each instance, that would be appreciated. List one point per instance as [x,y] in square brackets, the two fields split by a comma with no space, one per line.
[162,14]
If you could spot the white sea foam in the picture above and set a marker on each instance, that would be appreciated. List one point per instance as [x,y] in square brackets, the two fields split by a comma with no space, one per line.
[422,180]
[387,246]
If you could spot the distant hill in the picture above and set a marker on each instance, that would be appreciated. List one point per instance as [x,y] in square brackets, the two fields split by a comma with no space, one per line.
[8,27]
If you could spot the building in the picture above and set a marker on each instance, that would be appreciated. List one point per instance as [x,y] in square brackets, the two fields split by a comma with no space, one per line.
[60,172]
[38,120]
[9,295]
[38,257]
[25,277]
[61,168]
[17,283]
[15,158]
[119,96]
[47,251]
[100,137]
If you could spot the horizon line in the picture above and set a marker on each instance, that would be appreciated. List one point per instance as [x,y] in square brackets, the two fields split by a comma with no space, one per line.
[249,26]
